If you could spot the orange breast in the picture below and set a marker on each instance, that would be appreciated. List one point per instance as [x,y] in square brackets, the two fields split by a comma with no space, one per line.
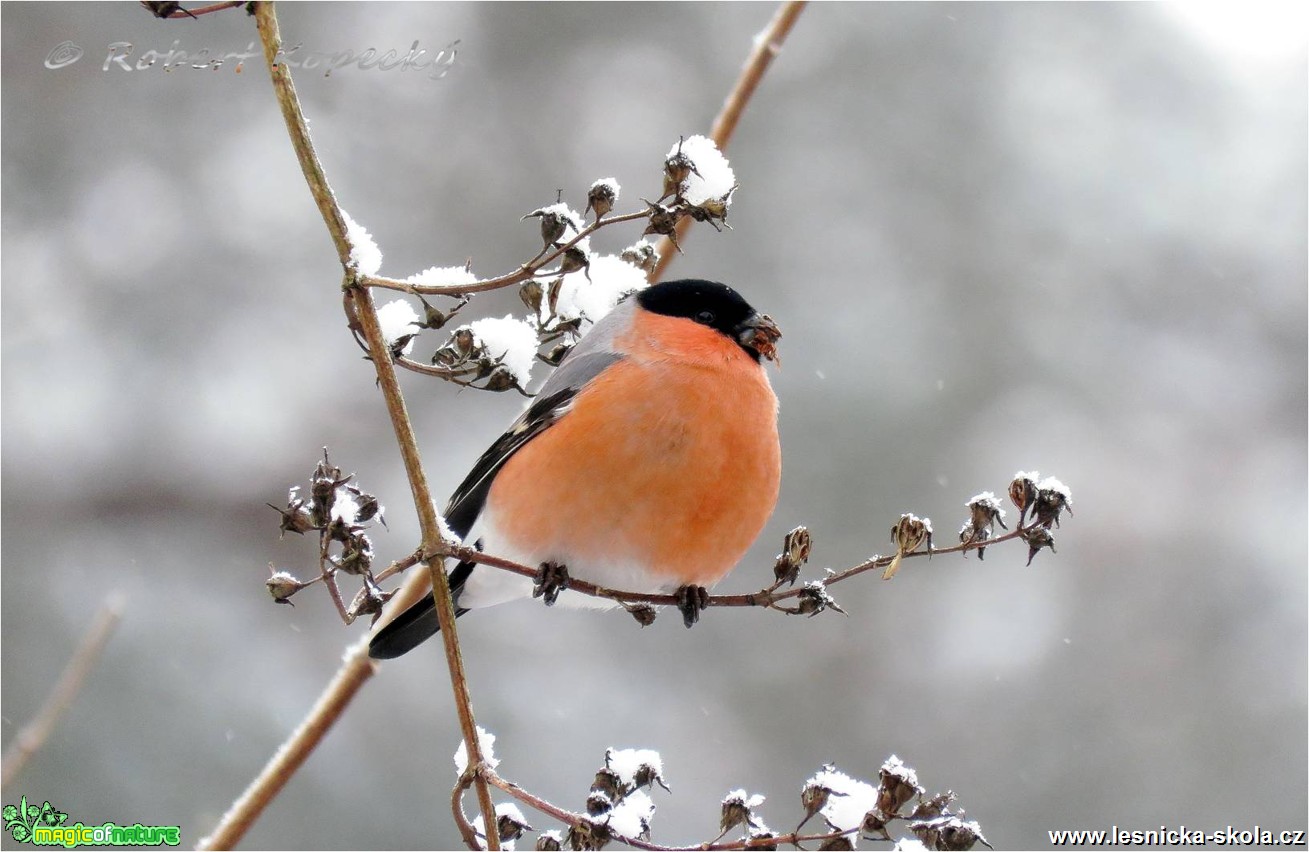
[669,460]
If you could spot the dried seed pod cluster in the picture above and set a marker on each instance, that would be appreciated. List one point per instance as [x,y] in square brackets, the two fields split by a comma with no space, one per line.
[618,808]
[564,299]
[1041,501]
[341,513]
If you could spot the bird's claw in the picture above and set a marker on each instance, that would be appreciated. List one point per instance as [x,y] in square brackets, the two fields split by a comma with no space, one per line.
[691,601]
[550,580]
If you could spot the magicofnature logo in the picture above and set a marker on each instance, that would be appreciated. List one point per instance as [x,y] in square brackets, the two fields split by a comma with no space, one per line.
[44,826]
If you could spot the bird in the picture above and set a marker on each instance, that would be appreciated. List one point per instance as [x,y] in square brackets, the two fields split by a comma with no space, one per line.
[649,461]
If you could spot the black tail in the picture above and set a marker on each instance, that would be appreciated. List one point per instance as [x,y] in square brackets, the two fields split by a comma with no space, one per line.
[415,625]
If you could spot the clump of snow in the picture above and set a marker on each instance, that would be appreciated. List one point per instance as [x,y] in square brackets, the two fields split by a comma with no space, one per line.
[442,276]
[713,178]
[592,297]
[486,740]
[612,183]
[1052,484]
[510,340]
[895,767]
[398,318]
[364,253]
[749,800]
[627,762]
[345,508]
[851,799]
[631,817]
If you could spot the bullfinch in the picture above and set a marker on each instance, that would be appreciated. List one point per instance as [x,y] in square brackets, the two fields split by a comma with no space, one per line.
[648,462]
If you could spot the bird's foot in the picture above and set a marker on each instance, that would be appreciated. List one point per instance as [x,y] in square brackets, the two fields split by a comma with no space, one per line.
[551,579]
[691,601]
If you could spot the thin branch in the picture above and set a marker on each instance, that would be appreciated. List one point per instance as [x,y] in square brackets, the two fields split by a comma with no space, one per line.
[766,597]
[205,10]
[36,732]
[767,45]
[528,270]
[291,755]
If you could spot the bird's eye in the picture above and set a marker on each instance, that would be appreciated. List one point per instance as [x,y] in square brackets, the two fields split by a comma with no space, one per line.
[705,317]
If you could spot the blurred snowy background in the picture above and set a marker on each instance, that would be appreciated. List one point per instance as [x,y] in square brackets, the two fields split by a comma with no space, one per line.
[1069,238]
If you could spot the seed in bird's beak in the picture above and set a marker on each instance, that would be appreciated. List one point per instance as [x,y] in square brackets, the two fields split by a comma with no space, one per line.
[761,334]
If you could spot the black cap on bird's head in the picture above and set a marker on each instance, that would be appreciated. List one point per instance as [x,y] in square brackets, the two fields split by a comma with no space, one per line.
[716,306]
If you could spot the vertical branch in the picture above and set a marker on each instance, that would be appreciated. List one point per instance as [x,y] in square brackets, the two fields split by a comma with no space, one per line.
[34,733]
[767,45]
[357,668]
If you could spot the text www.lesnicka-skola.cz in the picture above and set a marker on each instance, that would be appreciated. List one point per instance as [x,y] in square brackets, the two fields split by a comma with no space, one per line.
[1180,836]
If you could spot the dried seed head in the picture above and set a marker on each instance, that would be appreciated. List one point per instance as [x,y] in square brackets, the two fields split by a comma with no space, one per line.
[1037,538]
[949,833]
[677,168]
[548,841]
[814,598]
[643,613]
[607,782]
[435,318]
[733,814]
[969,534]
[839,843]
[532,292]
[296,517]
[910,532]
[368,601]
[985,511]
[795,553]
[510,826]
[556,355]
[586,834]
[899,786]
[458,350]
[602,197]
[501,379]
[1023,492]
[574,259]
[553,288]
[714,210]
[555,222]
[370,507]
[642,255]
[933,807]
[874,825]
[282,584]
[813,798]
[356,553]
[663,221]
[1052,497]
[737,809]
[599,803]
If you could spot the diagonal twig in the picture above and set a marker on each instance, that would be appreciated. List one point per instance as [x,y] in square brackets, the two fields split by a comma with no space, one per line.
[767,45]
[34,733]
